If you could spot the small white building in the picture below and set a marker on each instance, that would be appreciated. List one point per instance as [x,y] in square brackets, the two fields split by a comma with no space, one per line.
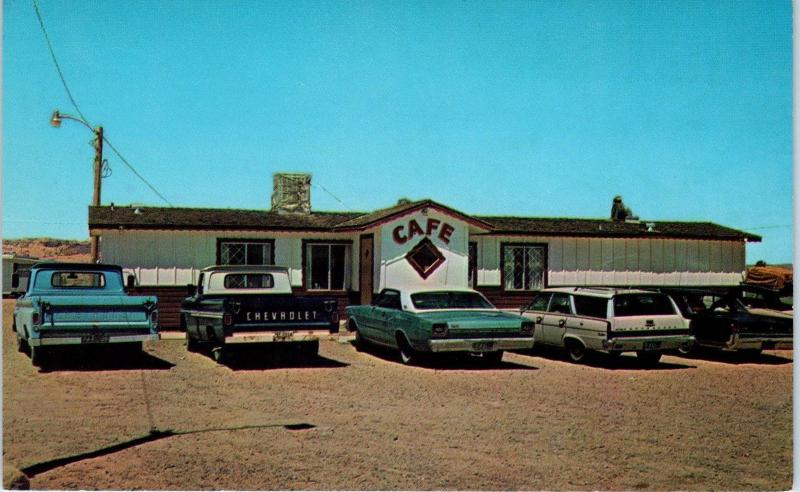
[19,265]
[352,255]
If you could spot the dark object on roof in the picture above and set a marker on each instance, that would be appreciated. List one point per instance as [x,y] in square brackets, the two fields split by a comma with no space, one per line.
[621,212]
[168,218]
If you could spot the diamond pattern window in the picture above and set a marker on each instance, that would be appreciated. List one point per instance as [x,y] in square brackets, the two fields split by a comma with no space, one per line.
[425,257]
[245,253]
[524,267]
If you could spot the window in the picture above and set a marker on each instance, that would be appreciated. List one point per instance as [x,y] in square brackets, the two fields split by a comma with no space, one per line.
[77,279]
[245,252]
[524,267]
[560,304]
[389,299]
[450,300]
[327,266]
[249,281]
[596,307]
[540,303]
[642,305]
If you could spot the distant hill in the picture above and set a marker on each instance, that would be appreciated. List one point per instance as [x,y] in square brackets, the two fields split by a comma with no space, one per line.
[49,249]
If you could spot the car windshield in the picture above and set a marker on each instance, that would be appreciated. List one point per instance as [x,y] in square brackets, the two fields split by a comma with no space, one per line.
[450,300]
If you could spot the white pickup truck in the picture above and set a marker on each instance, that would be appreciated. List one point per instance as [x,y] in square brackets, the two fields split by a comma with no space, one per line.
[253,304]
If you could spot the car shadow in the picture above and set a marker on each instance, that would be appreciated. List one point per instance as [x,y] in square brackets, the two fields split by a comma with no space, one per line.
[734,357]
[600,360]
[101,359]
[271,356]
[446,361]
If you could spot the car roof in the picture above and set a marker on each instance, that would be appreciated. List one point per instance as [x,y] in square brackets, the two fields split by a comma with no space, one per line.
[244,268]
[419,290]
[94,267]
[607,292]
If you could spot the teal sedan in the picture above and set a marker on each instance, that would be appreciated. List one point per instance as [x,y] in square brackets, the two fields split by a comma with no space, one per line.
[423,322]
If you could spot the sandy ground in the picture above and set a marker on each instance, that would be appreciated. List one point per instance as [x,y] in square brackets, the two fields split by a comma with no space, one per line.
[535,422]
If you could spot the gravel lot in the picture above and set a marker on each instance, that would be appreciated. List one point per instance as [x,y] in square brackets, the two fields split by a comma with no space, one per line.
[535,422]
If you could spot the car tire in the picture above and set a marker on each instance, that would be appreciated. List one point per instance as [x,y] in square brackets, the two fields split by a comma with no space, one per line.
[575,350]
[191,343]
[219,354]
[687,349]
[648,358]
[22,344]
[310,349]
[408,355]
[38,356]
[493,358]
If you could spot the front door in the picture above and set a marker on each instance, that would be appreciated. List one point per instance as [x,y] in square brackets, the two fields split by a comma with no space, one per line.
[365,273]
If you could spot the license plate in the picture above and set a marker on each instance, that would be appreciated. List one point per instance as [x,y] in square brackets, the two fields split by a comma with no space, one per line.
[97,338]
[482,346]
[651,345]
[282,336]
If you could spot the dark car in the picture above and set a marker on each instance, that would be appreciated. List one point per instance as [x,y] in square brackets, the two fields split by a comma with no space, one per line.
[730,320]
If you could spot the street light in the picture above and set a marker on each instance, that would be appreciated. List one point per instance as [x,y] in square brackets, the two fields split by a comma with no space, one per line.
[55,121]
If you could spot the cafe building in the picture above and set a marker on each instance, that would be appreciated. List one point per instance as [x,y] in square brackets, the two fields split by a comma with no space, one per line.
[353,255]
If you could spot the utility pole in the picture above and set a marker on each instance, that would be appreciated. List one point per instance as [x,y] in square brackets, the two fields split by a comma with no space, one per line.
[98,169]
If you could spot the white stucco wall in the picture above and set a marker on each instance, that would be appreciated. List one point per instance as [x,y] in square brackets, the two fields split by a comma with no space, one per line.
[162,257]
[605,261]
[396,271]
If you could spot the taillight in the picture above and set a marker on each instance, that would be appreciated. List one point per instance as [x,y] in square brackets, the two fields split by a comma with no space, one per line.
[734,327]
[439,330]
[335,317]
[227,319]
[154,317]
[527,328]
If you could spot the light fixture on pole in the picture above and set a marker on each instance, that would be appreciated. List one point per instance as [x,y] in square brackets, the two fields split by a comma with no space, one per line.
[55,121]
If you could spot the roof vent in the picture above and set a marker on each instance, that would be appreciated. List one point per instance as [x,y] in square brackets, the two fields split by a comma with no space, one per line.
[291,193]
[651,226]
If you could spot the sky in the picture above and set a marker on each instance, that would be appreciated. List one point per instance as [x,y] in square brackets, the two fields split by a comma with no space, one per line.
[535,108]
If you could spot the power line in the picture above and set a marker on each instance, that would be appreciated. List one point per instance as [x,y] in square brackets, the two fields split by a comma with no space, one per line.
[55,61]
[78,109]
[768,227]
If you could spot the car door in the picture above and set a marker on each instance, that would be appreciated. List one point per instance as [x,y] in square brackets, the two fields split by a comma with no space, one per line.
[554,324]
[375,318]
[388,316]
[535,311]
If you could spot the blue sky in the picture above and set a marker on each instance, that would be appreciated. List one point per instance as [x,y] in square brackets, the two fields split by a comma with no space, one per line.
[538,108]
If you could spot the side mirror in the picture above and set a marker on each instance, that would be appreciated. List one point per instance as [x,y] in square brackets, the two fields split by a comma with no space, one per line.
[130,282]
[15,280]
[191,290]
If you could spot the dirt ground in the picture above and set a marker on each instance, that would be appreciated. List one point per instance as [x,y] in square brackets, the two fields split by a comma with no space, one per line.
[534,422]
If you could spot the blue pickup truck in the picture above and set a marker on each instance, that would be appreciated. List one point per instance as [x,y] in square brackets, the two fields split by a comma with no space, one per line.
[80,304]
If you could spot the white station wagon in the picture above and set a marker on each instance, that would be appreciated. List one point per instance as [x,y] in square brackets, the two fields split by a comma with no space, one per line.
[608,320]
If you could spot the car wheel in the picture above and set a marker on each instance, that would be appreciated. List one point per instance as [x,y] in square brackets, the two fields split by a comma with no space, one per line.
[191,343]
[219,354]
[408,355]
[493,358]
[310,349]
[576,350]
[649,358]
[38,357]
[358,342]
[22,344]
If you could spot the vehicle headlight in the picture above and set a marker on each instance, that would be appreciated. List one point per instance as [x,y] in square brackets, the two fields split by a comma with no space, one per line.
[527,328]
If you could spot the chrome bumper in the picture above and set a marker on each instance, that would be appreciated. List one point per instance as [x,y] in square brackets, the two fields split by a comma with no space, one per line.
[625,344]
[480,344]
[765,343]
[39,342]
[276,336]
